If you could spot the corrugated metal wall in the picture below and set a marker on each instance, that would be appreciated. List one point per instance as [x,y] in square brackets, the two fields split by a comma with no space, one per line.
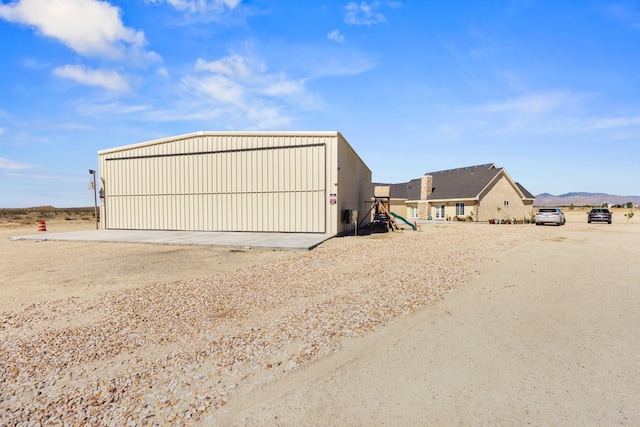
[354,182]
[214,182]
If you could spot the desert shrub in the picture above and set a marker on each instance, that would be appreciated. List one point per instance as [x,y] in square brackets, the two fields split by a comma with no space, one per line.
[629,215]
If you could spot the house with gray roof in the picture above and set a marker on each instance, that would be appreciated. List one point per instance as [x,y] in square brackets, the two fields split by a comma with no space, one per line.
[478,193]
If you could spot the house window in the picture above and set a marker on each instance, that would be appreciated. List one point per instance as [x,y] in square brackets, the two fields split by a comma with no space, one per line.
[506,203]
[414,212]
[459,209]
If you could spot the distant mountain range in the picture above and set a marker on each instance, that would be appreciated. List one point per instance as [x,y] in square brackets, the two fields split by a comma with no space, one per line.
[584,199]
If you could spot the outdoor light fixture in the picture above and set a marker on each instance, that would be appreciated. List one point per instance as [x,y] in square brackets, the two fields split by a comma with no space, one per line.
[95,197]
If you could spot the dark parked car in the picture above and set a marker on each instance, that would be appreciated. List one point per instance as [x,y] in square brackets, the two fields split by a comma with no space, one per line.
[599,214]
[550,216]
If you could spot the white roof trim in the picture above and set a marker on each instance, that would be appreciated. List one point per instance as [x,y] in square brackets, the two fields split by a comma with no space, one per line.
[491,181]
[515,186]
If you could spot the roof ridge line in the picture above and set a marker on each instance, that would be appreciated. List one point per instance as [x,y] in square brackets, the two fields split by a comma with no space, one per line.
[485,165]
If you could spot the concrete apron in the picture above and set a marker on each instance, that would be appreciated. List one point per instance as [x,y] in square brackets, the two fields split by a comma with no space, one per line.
[207,238]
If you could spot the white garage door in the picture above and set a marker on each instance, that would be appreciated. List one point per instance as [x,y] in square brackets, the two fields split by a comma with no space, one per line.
[274,189]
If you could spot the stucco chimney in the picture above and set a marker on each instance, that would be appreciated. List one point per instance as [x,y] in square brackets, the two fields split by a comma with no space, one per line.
[426,185]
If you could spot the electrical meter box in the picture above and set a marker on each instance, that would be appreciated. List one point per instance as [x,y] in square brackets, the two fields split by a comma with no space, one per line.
[349,216]
[346,216]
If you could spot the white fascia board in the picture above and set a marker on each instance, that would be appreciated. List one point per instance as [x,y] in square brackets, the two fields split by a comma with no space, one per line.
[489,184]
[513,184]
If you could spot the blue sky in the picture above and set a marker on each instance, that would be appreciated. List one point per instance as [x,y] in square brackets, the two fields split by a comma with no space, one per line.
[549,90]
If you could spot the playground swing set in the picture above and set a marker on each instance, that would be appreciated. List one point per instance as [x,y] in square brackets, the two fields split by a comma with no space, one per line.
[384,217]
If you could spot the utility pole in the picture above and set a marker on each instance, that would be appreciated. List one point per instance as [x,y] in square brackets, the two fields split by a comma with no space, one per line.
[95,197]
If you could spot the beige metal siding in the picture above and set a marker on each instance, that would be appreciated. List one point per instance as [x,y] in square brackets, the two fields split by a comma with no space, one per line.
[353,180]
[218,182]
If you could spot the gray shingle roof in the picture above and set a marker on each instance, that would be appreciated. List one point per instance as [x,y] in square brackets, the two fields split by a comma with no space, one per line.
[526,192]
[404,190]
[398,191]
[462,183]
[413,189]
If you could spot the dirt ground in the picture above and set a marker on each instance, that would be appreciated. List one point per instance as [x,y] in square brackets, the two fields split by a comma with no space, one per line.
[543,331]
[543,334]
[34,271]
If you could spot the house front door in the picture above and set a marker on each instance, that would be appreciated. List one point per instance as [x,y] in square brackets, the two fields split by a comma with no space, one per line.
[439,211]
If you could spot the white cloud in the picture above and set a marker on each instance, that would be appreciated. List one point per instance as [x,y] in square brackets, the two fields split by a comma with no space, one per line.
[219,88]
[616,122]
[34,64]
[163,72]
[242,87]
[447,132]
[234,65]
[530,113]
[235,79]
[110,80]
[551,113]
[591,124]
[531,104]
[338,66]
[200,6]
[89,27]
[284,87]
[335,36]
[11,165]
[363,14]
[91,107]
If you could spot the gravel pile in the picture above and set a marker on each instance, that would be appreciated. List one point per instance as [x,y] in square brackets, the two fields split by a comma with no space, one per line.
[173,353]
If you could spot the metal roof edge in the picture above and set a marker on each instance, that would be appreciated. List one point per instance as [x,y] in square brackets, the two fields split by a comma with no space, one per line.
[341,136]
[220,133]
